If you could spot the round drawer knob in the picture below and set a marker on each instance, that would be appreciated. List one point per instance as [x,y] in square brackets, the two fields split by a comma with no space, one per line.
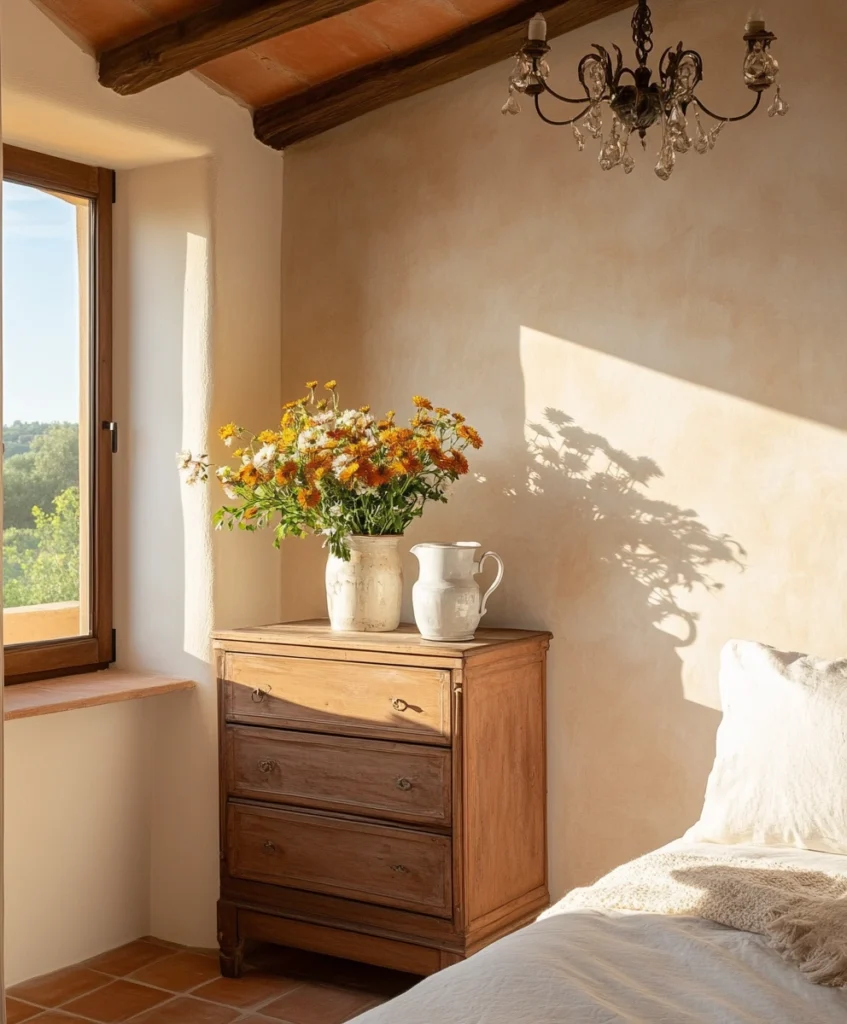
[399,704]
[266,765]
[404,784]
[400,869]
[269,846]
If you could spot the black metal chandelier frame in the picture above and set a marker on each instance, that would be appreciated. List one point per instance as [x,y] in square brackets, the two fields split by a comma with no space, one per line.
[637,101]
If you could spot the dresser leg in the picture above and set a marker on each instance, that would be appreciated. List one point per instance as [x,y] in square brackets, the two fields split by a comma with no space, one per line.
[230,942]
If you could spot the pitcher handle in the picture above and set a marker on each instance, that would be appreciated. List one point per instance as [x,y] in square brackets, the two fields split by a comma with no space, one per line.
[497,581]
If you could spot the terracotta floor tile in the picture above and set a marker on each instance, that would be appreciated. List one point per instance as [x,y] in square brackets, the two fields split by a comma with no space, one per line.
[254,1019]
[17,1011]
[129,958]
[116,1002]
[245,993]
[188,1011]
[318,1004]
[55,1017]
[57,988]
[178,973]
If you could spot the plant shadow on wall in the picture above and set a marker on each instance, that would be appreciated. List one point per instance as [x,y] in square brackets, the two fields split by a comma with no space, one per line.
[623,572]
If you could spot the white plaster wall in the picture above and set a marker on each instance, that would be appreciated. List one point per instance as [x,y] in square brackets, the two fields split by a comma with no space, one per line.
[197,270]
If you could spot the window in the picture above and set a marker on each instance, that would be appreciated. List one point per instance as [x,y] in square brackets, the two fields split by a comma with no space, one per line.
[57,419]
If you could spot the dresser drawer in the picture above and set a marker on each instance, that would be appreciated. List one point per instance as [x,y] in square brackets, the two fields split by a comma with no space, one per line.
[398,781]
[379,701]
[374,863]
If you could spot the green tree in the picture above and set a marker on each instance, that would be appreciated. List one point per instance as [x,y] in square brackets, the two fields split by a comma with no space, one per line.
[37,476]
[41,565]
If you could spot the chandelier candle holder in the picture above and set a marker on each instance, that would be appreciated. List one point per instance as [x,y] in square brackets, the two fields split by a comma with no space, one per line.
[636,101]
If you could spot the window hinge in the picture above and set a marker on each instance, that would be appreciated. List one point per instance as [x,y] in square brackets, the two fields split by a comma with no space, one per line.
[114,646]
[112,427]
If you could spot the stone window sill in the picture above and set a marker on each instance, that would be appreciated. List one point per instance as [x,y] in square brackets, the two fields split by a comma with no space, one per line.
[91,689]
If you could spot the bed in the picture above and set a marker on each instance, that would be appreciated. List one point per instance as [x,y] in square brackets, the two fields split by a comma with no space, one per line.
[780,776]
[599,967]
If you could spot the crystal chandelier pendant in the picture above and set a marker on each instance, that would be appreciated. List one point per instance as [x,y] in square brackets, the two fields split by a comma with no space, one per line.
[641,97]
[779,106]
[511,106]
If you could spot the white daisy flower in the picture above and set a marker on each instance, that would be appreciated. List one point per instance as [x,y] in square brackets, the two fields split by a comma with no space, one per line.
[265,456]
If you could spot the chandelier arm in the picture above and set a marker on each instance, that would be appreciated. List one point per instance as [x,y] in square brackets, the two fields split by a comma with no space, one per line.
[544,117]
[558,96]
[717,117]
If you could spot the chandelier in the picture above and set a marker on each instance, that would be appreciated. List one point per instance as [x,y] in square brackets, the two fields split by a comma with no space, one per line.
[637,103]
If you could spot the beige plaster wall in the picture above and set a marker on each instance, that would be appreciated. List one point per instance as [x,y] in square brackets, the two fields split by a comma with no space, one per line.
[681,346]
[112,825]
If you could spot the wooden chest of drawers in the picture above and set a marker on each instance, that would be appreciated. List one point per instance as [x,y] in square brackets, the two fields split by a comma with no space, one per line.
[382,797]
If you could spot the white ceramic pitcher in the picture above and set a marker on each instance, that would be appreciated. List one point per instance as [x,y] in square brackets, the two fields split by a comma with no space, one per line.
[446,596]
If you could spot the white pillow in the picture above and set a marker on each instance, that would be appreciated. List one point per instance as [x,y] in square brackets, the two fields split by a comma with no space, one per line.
[780,771]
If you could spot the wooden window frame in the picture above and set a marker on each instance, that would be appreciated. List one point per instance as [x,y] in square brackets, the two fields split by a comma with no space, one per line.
[39,660]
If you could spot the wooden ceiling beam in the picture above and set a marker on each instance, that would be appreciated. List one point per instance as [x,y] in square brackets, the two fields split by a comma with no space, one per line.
[368,88]
[221,28]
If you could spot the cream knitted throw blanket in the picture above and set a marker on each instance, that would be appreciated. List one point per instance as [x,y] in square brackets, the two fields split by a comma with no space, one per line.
[802,913]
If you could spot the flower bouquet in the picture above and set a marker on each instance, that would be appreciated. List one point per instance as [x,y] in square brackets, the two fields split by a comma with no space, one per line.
[357,480]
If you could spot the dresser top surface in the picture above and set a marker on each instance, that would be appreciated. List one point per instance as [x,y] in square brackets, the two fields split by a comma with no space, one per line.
[404,640]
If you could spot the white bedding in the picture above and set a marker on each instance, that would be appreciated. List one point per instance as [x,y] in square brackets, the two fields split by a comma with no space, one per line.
[592,967]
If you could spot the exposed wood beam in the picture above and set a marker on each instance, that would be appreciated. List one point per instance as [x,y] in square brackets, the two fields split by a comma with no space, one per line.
[221,28]
[487,42]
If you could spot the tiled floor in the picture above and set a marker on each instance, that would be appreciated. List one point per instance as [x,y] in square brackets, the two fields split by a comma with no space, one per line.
[153,982]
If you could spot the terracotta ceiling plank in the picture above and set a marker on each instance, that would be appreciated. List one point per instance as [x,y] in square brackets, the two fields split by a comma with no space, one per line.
[215,31]
[347,96]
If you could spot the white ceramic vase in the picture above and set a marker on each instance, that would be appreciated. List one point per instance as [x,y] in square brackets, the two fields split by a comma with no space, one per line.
[365,594]
[446,596]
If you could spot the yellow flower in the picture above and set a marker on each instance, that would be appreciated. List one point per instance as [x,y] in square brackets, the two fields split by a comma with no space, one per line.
[441,411]
[227,432]
[365,409]
[287,437]
[421,402]
[267,437]
[293,405]
[348,472]
[331,385]
[311,384]
[321,404]
[238,453]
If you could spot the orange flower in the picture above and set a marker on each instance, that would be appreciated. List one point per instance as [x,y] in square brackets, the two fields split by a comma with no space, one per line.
[286,473]
[251,513]
[308,497]
[458,417]
[470,435]
[421,402]
[428,443]
[441,411]
[381,475]
[406,465]
[460,462]
[248,474]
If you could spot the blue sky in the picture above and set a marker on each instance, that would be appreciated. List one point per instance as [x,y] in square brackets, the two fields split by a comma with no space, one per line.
[40,307]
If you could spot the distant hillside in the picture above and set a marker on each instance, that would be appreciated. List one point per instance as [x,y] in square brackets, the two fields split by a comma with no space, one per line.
[18,437]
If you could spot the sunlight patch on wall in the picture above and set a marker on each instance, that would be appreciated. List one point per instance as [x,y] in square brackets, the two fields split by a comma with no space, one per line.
[701,499]
[196,390]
